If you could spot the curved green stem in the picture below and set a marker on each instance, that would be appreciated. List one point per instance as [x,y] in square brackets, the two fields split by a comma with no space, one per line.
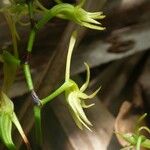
[48,15]
[144,128]
[31,40]
[61,89]
[28,77]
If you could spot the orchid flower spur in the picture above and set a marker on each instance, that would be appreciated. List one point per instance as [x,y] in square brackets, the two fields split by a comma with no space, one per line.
[7,117]
[75,96]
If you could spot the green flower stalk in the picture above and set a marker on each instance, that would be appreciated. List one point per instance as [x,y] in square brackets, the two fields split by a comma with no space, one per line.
[75,96]
[7,117]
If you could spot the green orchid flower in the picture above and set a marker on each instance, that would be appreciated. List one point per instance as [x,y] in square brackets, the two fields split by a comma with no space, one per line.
[70,12]
[82,17]
[73,13]
[7,117]
[75,96]
[136,140]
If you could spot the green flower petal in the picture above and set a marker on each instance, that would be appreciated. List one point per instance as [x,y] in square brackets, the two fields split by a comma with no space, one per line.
[85,85]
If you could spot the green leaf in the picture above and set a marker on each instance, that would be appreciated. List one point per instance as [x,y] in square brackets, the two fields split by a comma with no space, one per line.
[10,67]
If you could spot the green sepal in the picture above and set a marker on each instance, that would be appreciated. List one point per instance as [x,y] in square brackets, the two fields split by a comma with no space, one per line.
[7,117]
[6,111]
[5,131]
[19,128]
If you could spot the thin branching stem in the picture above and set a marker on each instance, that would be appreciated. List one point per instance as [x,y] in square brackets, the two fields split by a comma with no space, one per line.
[61,89]
[28,77]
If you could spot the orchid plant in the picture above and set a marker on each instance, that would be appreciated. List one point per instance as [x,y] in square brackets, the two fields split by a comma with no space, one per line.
[75,96]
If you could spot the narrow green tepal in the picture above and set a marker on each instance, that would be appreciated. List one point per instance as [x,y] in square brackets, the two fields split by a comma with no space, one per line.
[6,110]
[7,117]
[5,131]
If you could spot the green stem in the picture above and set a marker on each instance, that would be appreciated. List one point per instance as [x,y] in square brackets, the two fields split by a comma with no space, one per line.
[138,145]
[48,15]
[31,40]
[61,89]
[30,8]
[32,33]
[69,55]
[27,73]
[38,129]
